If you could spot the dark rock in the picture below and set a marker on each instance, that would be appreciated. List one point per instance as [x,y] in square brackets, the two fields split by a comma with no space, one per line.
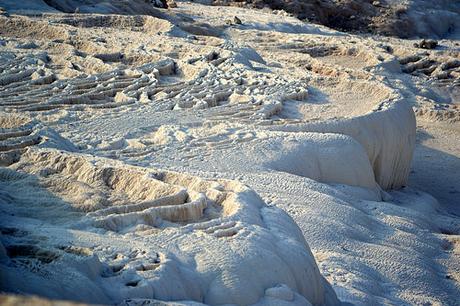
[237,20]
[427,44]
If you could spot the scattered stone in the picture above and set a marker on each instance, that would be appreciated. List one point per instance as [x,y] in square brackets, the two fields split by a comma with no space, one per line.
[99,40]
[29,45]
[388,49]
[427,44]
[235,21]
[159,3]
[171,4]
[75,66]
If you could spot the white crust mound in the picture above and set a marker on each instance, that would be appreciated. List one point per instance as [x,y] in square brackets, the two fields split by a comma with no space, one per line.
[176,236]
[387,135]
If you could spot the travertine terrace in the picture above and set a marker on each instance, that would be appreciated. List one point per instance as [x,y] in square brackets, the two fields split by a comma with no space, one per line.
[189,157]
